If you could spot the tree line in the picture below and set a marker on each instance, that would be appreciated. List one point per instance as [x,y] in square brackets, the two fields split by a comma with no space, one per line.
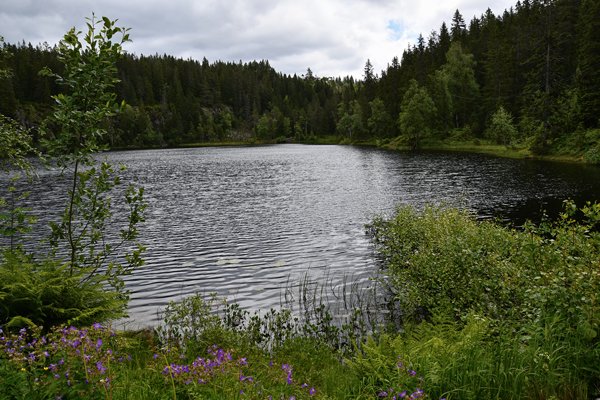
[527,76]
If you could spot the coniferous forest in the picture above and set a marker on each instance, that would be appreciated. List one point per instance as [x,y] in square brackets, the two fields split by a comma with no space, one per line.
[527,77]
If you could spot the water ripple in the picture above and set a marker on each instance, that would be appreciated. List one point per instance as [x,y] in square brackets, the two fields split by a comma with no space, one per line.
[249,222]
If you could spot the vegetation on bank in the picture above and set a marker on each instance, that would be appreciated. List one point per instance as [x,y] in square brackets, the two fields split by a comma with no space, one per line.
[477,310]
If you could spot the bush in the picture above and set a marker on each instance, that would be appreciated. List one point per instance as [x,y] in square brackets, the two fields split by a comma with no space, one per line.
[526,301]
[501,128]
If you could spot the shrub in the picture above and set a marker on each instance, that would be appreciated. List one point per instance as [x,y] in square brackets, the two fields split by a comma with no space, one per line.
[501,128]
[530,295]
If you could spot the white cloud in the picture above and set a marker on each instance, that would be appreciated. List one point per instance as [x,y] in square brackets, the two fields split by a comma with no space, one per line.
[332,37]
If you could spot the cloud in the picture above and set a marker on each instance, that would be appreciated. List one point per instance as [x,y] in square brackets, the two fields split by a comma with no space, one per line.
[332,37]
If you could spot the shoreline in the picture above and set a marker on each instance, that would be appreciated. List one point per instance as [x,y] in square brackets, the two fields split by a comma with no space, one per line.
[470,146]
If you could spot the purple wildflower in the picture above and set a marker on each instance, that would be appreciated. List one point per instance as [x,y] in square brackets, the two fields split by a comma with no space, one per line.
[312,391]
[101,368]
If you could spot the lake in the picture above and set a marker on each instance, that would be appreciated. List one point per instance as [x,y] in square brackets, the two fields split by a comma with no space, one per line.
[249,222]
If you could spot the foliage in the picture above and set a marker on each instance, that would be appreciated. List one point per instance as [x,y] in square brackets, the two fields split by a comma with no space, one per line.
[529,296]
[417,113]
[380,122]
[15,145]
[91,249]
[385,372]
[67,362]
[43,293]
[501,128]
[96,362]
[463,87]
[80,111]
[78,122]
[196,321]
[350,122]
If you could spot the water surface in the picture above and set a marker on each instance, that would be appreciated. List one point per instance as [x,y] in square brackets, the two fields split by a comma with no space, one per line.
[246,222]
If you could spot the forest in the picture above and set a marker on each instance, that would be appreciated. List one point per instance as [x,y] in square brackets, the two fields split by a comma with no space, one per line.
[527,77]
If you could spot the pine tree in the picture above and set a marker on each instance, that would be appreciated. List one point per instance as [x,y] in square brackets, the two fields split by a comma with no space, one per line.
[458,27]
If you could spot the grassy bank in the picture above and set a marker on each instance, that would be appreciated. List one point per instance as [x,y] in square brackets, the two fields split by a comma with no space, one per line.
[561,152]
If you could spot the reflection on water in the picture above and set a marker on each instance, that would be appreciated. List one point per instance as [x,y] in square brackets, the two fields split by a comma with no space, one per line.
[245,222]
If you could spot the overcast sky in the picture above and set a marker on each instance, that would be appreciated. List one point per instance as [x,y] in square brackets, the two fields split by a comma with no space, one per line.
[332,37]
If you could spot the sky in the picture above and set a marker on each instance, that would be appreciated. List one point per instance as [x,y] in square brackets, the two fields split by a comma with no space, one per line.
[334,38]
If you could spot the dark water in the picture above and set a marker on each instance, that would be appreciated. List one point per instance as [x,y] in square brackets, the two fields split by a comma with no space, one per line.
[248,222]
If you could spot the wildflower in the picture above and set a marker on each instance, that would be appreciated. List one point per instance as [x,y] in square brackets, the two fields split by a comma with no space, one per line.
[412,372]
[312,391]
[243,361]
[155,356]
[96,325]
[383,393]
[98,344]
[101,368]
[402,394]
[304,385]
